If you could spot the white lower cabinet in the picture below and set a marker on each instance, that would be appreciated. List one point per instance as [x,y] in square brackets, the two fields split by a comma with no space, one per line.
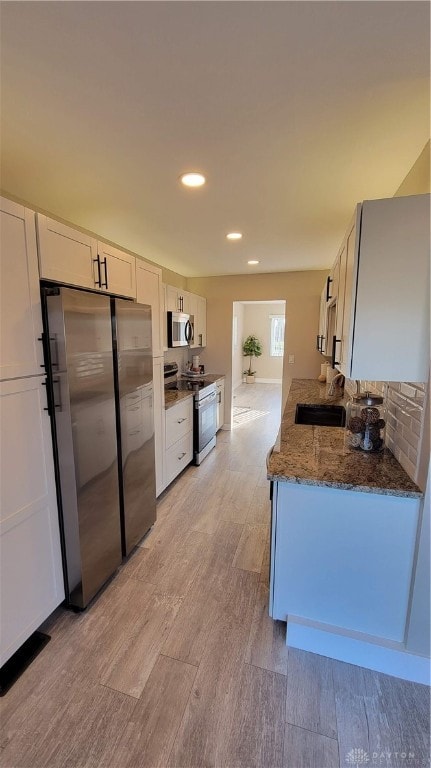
[178,456]
[30,563]
[179,421]
[178,438]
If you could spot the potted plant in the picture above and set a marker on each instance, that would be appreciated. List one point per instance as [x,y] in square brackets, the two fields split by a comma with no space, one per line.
[251,348]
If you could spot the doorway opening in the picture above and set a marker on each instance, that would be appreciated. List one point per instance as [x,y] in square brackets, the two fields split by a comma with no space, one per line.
[255,396]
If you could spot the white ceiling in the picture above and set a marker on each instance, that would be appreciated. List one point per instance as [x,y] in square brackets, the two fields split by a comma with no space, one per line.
[294,111]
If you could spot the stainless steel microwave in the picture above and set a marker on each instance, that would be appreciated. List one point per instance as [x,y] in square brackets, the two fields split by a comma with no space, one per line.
[180,329]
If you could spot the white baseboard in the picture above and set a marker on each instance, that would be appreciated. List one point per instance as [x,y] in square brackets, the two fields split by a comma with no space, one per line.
[372,654]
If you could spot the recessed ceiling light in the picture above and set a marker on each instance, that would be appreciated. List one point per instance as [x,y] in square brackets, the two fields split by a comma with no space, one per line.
[253,261]
[193,179]
[234,236]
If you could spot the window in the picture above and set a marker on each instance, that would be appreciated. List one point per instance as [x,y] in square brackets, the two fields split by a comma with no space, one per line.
[276,348]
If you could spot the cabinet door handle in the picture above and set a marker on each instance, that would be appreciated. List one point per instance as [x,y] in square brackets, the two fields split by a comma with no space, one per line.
[318,343]
[328,283]
[180,421]
[99,274]
[334,362]
[181,456]
[105,284]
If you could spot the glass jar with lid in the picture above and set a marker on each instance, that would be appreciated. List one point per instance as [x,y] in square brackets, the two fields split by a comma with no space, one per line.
[366,422]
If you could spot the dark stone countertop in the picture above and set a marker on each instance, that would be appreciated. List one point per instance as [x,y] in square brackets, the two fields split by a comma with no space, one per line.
[312,455]
[172,397]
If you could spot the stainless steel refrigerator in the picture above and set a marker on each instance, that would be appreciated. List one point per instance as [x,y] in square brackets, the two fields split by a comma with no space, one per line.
[99,366]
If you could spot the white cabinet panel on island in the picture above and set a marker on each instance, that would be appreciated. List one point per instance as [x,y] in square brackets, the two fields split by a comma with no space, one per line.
[341,560]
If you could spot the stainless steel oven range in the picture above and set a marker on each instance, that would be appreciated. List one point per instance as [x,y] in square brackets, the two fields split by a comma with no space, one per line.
[204,409]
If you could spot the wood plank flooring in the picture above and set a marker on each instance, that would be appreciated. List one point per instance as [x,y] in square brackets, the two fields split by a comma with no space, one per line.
[177,664]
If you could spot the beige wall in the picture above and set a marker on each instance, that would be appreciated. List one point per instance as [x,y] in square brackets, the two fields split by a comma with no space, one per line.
[301,291]
[417,181]
[257,322]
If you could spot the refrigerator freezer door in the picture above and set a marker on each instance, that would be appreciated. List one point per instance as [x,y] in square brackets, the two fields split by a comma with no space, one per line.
[135,397]
[85,424]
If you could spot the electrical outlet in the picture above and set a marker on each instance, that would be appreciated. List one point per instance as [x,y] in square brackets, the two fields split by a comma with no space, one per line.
[291,359]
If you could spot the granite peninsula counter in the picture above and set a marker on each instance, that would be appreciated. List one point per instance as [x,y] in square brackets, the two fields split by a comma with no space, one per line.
[344,528]
[313,455]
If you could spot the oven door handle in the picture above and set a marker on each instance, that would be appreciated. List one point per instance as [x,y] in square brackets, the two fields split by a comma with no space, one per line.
[206,400]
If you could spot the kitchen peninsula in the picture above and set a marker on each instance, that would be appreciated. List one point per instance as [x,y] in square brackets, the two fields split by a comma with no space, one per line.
[343,539]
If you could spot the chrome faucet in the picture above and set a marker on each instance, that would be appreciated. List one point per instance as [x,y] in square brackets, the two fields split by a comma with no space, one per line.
[334,383]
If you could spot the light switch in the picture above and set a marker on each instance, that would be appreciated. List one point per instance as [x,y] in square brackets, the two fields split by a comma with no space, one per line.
[291,359]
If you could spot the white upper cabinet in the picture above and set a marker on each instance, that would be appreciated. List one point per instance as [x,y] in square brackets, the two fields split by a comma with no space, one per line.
[178,300]
[149,291]
[116,271]
[71,257]
[321,342]
[21,320]
[382,309]
[191,302]
[66,255]
[200,333]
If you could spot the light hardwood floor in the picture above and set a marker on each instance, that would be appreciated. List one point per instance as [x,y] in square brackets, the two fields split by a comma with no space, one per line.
[177,664]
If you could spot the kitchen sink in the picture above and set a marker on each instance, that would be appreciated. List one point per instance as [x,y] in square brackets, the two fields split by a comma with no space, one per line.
[320,414]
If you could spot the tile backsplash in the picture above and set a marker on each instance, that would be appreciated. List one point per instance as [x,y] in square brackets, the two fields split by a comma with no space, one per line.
[405,418]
